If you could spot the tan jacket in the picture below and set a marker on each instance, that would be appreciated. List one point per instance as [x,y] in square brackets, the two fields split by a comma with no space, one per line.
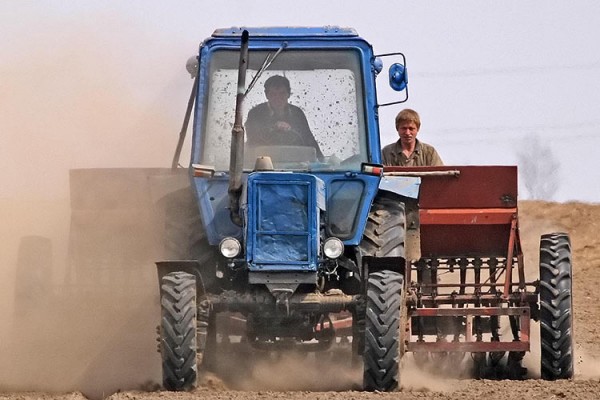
[423,156]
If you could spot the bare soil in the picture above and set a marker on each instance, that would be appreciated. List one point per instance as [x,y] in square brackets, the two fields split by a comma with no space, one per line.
[82,343]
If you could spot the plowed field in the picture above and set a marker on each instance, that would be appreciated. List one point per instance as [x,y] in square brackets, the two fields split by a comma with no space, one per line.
[78,343]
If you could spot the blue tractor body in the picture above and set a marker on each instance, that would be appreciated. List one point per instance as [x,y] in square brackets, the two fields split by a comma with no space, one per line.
[348,192]
[285,235]
[347,198]
[283,222]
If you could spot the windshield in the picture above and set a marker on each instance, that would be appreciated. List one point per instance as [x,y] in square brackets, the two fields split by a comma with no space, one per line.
[305,111]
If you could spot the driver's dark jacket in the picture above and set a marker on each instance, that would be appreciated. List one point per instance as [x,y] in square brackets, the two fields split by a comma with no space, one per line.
[261,128]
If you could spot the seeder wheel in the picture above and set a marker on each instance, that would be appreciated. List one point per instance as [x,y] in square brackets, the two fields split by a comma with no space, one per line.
[556,317]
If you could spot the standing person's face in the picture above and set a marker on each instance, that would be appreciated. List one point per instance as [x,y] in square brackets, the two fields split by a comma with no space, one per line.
[407,130]
[278,97]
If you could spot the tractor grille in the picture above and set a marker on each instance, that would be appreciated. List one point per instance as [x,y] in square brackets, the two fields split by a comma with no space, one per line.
[282,222]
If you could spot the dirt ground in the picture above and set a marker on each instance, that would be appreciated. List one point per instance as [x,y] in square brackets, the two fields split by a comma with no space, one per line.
[85,344]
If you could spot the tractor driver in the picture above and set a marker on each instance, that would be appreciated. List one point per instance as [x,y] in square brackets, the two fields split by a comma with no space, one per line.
[276,122]
[408,151]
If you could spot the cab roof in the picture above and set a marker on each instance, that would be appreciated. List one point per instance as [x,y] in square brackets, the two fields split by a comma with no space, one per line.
[288,31]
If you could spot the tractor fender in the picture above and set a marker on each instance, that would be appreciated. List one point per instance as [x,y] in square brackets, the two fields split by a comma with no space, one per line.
[406,189]
[408,194]
[382,246]
[405,186]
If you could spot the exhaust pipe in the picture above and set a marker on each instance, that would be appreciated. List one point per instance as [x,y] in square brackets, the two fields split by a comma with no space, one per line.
[236,161]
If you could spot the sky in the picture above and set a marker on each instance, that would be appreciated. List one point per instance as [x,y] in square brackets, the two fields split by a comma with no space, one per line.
[88,84]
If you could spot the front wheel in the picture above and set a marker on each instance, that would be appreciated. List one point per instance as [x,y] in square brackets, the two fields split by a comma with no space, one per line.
[178,331]
[556,315]
[385,297]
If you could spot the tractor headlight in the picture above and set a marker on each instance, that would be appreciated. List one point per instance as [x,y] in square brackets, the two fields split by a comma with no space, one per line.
[230,247]
[333,248]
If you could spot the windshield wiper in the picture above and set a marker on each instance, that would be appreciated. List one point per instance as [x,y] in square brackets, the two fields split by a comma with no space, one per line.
[268,61]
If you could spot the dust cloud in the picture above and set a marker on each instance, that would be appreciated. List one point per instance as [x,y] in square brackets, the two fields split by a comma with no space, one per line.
[328,371]
[81,315]
[80,318]
[83,318]
[325,371]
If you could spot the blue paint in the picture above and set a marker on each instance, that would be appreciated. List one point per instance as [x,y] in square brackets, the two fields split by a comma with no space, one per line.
[283,220]
[346,198]
[286,214]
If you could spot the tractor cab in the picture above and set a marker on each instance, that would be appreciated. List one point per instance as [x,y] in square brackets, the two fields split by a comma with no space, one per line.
[330,73]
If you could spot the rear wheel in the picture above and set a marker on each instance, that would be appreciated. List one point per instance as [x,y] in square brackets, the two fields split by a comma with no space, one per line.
[385,231]
[385,297]
[185,238]
[178,331]
[384,236]
[556,316]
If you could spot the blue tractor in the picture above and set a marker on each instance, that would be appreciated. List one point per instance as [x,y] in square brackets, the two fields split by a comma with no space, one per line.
[284,235]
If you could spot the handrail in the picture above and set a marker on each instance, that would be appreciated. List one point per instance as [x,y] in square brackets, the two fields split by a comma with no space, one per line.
[453,172]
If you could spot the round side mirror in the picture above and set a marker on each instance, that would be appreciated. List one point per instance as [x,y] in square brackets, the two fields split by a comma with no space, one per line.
[192,66]
[398,77]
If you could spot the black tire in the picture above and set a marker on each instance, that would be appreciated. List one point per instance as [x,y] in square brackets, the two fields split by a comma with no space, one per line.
[556,315]
[385,230]
[385,297]
[178,331]
[384,236]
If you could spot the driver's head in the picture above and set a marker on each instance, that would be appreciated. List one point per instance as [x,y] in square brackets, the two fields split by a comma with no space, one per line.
[277,91]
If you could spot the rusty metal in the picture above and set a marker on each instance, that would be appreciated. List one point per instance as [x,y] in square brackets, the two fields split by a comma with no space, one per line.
[475,187]
[509,258]
[451,173]
[469,344]
[475,311]
[484,298]
[470,244]
[520,260]
[472,285]
[466,214]
[484,216]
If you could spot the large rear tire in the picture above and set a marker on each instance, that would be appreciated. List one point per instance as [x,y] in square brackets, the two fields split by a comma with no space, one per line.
[384,236]
[385,297]
[178,331]
[386,229]
[556,315]
[185,238]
